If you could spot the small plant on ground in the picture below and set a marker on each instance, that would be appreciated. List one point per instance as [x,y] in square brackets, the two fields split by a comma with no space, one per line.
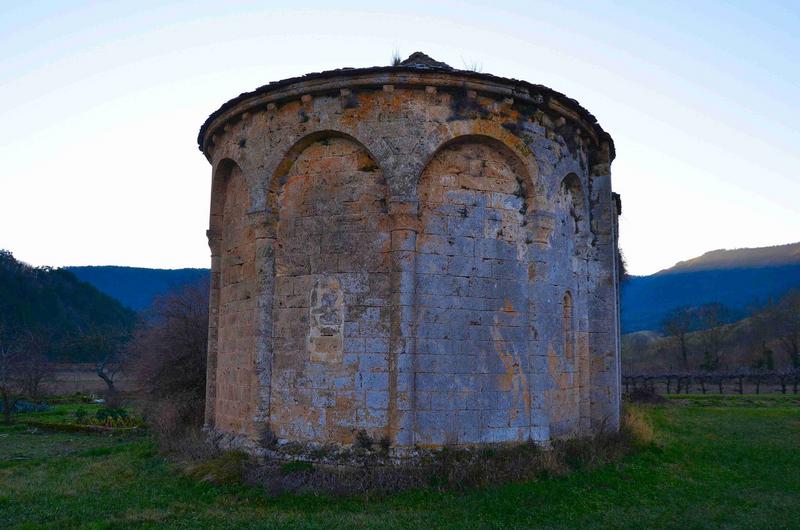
[364,440]
[224,468]
[107,412]
[367,470]
[296,466]
[635,428]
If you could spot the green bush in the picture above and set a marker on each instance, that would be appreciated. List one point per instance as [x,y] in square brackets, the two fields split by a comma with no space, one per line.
[296,466]
[115,414]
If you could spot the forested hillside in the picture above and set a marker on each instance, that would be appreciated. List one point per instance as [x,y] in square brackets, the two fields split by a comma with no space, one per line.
[70,319]
[740,280]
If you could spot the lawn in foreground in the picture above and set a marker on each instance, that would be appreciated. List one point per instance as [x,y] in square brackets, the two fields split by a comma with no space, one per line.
[716,465]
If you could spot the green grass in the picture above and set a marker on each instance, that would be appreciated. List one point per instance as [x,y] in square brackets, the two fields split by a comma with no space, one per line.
[715,465]
[60,413]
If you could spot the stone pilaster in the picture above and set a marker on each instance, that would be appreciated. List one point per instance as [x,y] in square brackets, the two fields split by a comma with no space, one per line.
[403,233]
[604,309]
[214,242]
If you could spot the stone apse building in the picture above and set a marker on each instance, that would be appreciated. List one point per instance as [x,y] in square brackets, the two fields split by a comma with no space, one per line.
[422,253]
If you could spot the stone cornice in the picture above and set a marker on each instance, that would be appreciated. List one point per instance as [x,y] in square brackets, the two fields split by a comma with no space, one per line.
[333,81]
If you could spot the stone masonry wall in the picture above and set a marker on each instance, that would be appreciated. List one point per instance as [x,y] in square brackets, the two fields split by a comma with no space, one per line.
[235,377]
[331,321]
[407,255]
[473,323]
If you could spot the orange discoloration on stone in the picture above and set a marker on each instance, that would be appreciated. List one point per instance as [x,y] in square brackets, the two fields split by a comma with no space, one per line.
[332,246]
[513,380]
[236,385]
[394,261]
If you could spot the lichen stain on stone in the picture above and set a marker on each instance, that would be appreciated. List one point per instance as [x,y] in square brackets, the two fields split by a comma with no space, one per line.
[555,397]
[507,307]
[326,320]
[513,379]
[428,233]
[532,272]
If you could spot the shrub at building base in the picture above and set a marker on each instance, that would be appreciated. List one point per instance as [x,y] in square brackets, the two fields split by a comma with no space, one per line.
[170,351]
[370,471]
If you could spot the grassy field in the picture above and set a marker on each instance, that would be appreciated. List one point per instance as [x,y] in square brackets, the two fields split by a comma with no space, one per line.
[720,461]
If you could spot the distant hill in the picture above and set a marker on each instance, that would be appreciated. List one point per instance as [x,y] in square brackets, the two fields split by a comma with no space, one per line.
[740,258]
[739,279]
[136,287]
[54,303]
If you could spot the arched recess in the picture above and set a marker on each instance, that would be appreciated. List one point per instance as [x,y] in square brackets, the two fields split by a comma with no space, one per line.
[282,158]
[573,201]
[330,308]
[472,285]
[232,337]
[219,183]
[220,176]
[571,253]
[486,131]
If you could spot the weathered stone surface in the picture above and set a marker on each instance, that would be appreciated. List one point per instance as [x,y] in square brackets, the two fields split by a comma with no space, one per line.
[424,254]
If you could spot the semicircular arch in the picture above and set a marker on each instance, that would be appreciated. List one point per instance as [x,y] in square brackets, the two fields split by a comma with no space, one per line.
[220,177]
[280,164]
[573,194]
[480,131]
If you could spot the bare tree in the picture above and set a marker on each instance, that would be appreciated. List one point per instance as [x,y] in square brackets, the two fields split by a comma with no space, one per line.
[715,332]
[11,381]
[778,325]
[169,349]
[108,368]
[35,366]
[787,326]
[677,325]
[107,346]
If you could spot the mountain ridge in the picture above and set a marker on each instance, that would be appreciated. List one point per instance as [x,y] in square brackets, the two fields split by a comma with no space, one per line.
[59,308]
[136,287]
[745,257]
[740,279]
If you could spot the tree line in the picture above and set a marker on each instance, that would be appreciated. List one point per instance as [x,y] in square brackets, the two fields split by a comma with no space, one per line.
[771,331]
[161,350]
[703,340]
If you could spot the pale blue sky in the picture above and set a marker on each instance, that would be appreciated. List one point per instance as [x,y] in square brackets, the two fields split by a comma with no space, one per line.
[100,104]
